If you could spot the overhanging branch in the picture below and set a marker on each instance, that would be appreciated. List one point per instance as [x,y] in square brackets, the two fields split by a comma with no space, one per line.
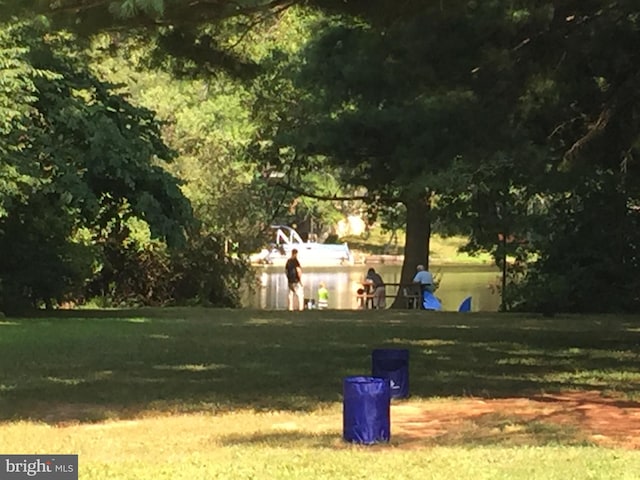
[274,11]
[622,98]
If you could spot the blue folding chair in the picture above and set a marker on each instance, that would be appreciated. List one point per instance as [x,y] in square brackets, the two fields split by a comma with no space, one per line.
[465,306]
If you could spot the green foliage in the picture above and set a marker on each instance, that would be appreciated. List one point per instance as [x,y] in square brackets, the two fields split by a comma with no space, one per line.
[302,184]
[588,259]
[205,273]
[402,105]
[567,192]
[490,119]
[200,272]
[213,119]
[41,266]
[17,93]
[206,122]
[75,155]
[397,111]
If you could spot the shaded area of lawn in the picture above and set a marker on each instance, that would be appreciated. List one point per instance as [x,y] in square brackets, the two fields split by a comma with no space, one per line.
[89,366]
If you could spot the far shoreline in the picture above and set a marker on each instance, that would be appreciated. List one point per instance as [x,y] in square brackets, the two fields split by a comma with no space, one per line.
[361,258]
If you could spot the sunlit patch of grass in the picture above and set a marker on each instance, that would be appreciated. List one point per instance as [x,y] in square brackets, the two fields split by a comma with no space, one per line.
[622,355]
[521,361]
[436,354]
[269,321]
[138,320]
[465,327]
[66,381]
[431,342]
[158,336]
[191,367]
[596,378]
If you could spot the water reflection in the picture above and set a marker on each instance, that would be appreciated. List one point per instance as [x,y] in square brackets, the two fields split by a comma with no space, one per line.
[457,282]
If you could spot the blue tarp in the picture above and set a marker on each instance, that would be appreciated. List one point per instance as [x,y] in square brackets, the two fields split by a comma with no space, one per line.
[430,302]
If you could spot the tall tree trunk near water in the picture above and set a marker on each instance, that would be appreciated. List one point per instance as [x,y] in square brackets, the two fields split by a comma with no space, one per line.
[416,247]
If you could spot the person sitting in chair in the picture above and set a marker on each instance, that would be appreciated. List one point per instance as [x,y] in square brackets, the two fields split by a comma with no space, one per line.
[425,279]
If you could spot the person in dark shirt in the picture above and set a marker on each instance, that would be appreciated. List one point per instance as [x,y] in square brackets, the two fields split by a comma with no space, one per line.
[294,278]
[377,288]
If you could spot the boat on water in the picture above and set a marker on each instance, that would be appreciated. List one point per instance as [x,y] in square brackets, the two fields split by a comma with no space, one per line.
[310,254]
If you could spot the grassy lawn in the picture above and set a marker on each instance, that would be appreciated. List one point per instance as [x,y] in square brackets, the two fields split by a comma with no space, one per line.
[204,394]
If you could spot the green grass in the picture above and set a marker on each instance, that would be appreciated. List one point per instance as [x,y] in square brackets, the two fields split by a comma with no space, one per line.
[443,250]
[200,394]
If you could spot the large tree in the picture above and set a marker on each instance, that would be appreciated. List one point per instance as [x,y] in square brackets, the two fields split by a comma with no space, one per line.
[403,109]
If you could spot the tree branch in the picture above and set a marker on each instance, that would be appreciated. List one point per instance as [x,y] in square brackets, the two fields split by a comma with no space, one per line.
[623,96]
[593,131]
[259,20]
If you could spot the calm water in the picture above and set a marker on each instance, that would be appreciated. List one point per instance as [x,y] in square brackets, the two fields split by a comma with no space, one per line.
[456,283]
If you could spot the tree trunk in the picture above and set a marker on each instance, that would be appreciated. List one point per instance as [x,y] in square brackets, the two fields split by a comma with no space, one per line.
[416,247]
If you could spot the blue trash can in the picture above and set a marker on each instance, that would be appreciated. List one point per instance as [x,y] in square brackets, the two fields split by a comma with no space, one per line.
[366,409]
[392,364]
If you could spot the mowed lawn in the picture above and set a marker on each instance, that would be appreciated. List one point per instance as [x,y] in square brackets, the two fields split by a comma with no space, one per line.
[208,393]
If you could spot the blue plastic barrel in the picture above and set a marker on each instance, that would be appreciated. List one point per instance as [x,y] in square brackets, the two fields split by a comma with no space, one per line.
[392,364]
[366,410]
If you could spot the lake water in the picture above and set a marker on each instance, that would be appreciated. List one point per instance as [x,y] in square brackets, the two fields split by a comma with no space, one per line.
[456,283]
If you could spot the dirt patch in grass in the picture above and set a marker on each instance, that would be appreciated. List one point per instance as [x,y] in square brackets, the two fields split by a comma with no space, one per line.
[564,418]
[568,418]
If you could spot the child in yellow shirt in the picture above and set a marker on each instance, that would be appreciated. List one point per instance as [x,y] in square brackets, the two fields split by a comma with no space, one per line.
[323,297]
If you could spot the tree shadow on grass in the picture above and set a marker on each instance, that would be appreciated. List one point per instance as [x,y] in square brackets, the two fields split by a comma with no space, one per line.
[122,364]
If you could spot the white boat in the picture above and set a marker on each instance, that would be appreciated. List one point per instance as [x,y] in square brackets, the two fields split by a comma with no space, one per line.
[309,253]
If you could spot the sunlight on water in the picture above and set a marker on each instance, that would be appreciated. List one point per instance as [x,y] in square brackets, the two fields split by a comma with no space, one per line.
[456,283]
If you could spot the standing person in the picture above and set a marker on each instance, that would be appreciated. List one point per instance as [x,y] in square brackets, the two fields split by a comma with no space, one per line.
[294,278]
[323,297]
[425,279]
[377,288]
